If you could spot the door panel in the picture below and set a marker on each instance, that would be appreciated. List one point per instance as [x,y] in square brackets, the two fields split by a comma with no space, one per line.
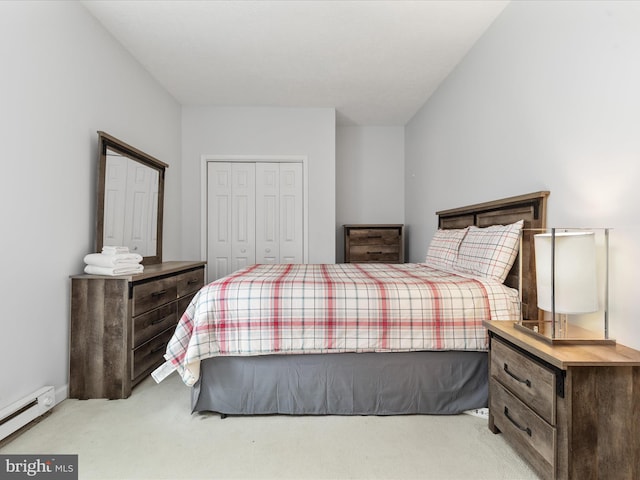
[218,220]
[243,215]
[267,213]
[291,214]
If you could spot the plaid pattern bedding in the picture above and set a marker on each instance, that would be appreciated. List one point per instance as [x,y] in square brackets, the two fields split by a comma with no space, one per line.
[333,308]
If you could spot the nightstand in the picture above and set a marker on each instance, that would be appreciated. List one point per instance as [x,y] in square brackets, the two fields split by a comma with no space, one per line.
[572,411]
[373,243]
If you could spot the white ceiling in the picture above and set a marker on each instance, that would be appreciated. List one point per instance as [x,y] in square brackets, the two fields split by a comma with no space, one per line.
[376,62]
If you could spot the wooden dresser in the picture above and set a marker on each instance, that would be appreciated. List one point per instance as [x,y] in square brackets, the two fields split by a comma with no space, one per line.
[572,411]
[120,326]
[380,243]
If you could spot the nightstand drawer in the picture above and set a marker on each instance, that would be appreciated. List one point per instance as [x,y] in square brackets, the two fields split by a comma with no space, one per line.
[528,380]
[375,236]
[534,438]
[150,295]
[375,253]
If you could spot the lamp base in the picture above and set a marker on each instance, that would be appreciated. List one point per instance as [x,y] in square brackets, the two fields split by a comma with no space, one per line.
[568,335]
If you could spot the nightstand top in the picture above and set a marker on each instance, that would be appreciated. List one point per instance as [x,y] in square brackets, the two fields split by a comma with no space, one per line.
[563,356]
[373,225]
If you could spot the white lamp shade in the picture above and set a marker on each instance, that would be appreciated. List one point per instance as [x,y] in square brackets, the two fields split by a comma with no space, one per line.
[576,289]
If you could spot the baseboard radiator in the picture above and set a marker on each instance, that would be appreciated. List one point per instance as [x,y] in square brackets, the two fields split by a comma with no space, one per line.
[26,410]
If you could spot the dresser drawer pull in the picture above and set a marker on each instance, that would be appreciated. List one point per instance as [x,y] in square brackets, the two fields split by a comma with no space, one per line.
[527,430]
[158,294]
[526,382]
[158,320]
[158,348]
[374,253]
[192,282]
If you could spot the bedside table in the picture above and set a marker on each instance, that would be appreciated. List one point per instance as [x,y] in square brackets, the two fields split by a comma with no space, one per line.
[572,411]
[374,243]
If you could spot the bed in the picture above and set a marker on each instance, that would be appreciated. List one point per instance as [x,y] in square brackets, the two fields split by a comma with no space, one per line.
[363,339]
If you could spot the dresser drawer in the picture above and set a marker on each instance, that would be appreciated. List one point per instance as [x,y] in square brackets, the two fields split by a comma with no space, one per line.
[183,303]
[534,438]
[150,295]
[152,323]
[374,236]
[190,282]
[527,379]
[149,355]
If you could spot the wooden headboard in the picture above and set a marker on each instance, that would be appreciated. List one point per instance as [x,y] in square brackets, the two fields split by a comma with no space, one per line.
[532,208]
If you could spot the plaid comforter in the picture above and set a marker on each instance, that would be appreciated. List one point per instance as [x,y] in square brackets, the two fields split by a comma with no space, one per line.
[333,308]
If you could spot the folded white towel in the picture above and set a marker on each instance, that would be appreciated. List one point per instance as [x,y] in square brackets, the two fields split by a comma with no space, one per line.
[101,260]
[114,271]
[113,250]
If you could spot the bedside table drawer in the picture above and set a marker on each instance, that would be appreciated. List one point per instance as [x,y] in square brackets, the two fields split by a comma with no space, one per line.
[528,380]
[375,253]
[534,438]
[373,236]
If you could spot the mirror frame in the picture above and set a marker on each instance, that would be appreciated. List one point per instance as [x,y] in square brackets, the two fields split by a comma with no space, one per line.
[108,141]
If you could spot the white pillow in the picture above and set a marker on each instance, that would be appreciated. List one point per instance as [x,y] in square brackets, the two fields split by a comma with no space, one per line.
[443,249]
[489,252]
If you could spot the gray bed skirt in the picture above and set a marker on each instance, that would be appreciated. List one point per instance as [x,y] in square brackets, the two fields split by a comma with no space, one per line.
[445,382]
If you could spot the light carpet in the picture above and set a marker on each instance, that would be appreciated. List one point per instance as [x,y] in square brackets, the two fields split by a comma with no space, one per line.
[153,435]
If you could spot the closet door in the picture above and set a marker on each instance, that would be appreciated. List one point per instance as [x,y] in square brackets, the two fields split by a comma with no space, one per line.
[291,213]
[230,217]
[254,215]
[279,213]
[267,213]
[219,202]
[243,215]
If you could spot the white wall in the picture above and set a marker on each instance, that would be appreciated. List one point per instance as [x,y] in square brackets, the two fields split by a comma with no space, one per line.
[63,78]
[547,99]
[307,132]
[369,177]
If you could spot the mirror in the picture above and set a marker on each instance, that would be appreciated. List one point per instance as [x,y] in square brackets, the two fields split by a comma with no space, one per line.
[130,199]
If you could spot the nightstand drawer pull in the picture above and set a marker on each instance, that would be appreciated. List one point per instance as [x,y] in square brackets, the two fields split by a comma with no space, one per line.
[158,294]
[374,253]
[527,430]
[526,382]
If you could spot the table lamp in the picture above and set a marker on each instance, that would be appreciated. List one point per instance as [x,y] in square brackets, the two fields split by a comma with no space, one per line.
[567,279]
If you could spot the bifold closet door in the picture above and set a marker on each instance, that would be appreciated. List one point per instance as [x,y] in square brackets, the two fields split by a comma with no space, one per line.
[279,213]
[254,215]
[230,217]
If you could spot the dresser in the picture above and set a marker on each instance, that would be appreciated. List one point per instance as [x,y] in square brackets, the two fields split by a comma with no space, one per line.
[380,243]
[120,326]
[572,411]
